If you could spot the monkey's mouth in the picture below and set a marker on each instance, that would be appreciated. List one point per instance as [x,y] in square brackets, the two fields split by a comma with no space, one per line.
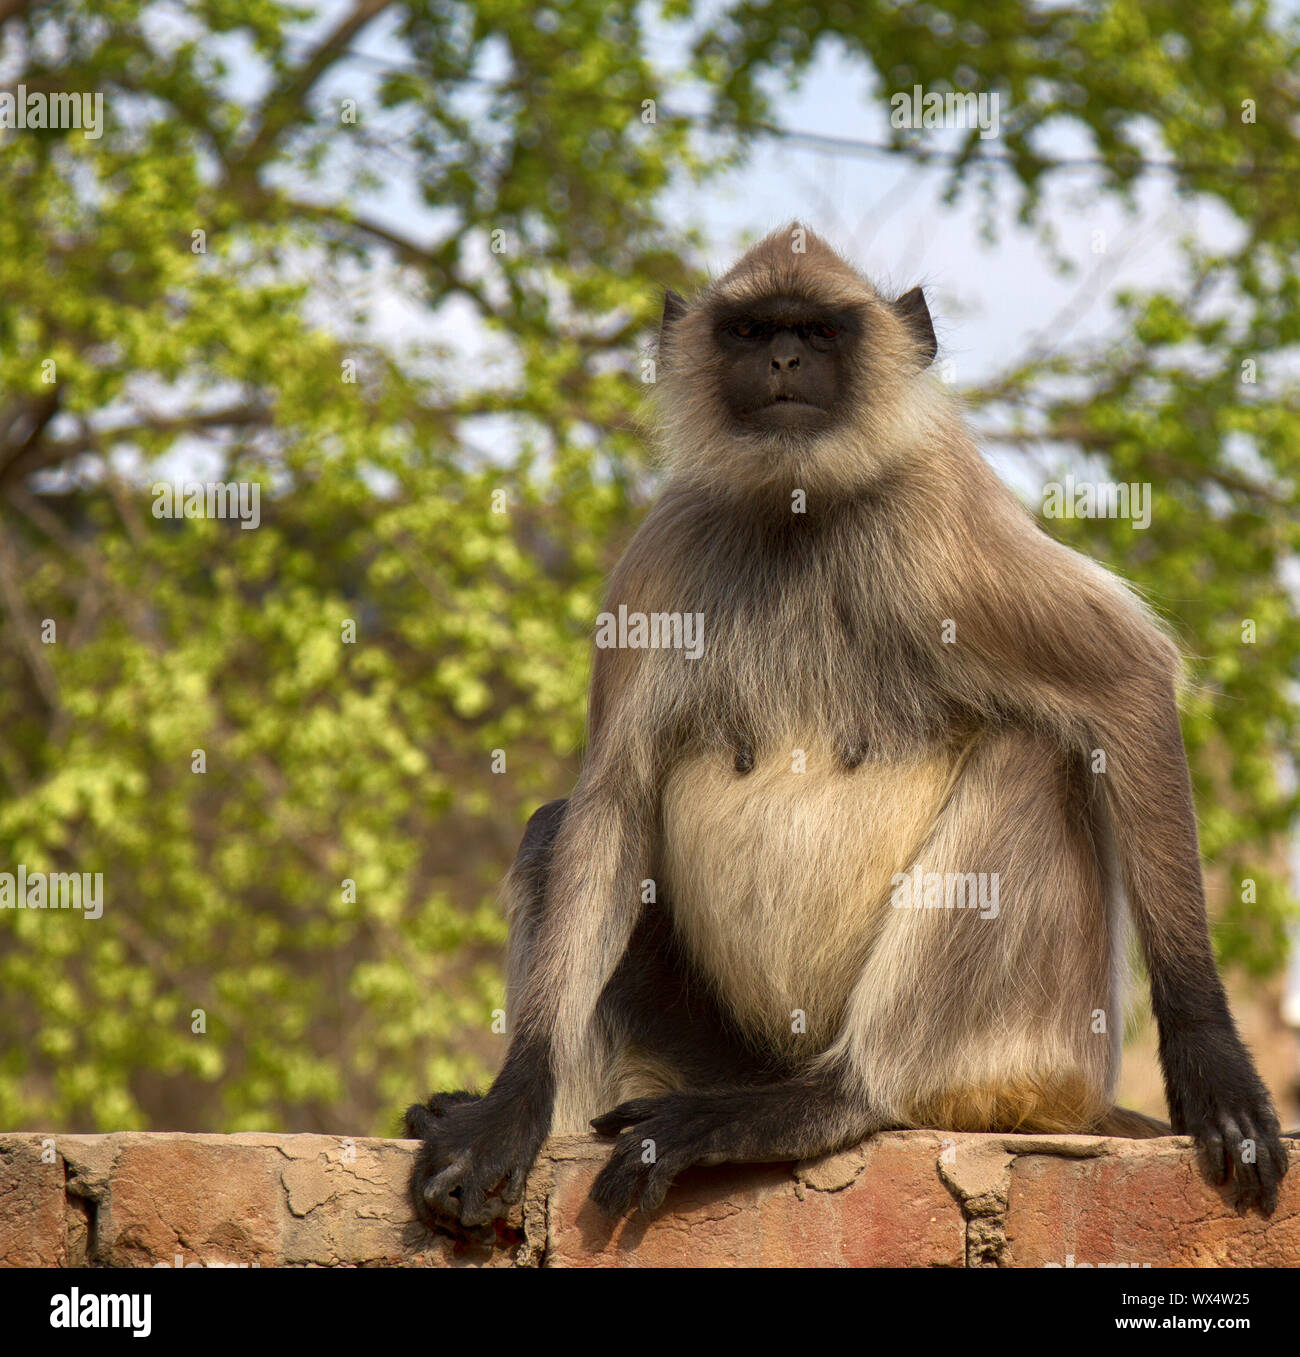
[792,410]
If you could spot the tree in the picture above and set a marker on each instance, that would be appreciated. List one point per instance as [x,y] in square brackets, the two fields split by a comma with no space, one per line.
[302,933]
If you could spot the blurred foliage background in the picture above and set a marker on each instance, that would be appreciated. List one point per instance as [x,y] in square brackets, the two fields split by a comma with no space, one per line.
[500,351]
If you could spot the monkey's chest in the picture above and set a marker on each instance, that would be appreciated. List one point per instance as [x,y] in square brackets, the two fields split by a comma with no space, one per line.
[776,878]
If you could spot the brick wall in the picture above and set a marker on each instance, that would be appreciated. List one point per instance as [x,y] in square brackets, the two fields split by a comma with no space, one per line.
[906,1199]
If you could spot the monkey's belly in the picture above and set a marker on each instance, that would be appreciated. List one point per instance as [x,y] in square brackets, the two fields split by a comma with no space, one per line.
[776,878]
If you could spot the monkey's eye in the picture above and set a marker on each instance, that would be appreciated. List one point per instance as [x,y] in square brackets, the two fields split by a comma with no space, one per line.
[743,329]
[824,330]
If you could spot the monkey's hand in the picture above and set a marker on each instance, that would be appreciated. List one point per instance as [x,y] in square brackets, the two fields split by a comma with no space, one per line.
[1223,1104]
[668,1134]
[473,1163]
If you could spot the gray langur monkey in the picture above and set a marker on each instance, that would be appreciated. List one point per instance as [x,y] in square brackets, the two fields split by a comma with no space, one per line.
[737,939]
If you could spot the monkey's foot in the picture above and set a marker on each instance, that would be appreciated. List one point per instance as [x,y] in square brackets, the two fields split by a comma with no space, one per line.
[668,1134]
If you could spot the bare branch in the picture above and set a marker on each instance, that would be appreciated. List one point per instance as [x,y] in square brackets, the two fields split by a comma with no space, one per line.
[23,625]
[1156,463]
[21,424]
[283,103]
[38,454]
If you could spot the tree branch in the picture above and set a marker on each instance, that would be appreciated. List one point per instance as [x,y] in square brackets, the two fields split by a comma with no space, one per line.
[281,105]
[1157,463]
[36,454]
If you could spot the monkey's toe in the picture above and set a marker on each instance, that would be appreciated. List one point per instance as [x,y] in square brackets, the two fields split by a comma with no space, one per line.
[624,1115]
[630,1183]
[464,1196]
[615,1189]
[669,1133]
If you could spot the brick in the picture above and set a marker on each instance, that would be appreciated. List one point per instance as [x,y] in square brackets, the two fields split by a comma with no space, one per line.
[1146,1202]
[347,1207]
[208,1199]
[890,1210]
[133,1200]
[33,1205]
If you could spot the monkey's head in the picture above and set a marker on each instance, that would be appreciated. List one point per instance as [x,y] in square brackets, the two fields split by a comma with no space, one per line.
[791,369]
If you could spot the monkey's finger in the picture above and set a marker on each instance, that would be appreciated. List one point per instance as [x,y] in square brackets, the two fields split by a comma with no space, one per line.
[475,1208]
[421,1119]
[1268,1187]
[657,1182]
[1234,1150]
[1277,1153]
[418,1122]
[615,1188]
[1268,1168]
[1247,1194]
[613,1197]
[1245,1178]
[1215,1158]
[513,1187]
[1263,1177]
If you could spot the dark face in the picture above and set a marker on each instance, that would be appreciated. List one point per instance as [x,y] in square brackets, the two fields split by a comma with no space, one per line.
[786,364]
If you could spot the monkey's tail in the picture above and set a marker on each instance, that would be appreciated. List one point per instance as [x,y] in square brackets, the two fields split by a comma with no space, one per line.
[1120,1121]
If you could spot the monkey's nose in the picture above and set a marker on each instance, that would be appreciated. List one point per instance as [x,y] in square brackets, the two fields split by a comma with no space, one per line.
[785,364]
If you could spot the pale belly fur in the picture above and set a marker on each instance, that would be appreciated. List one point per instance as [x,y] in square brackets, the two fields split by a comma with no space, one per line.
[777,878]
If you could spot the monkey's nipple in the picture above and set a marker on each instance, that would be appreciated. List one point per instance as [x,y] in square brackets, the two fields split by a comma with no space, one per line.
[855,755]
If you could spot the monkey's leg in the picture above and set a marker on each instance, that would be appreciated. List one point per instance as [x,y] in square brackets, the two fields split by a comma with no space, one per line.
[998,1014]
[991,999]
[657,1027]
[1214,1092]
[666,1030]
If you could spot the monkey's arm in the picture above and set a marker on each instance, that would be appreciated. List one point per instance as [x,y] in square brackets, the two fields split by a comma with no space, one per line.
[1075,652]
[575,896]
[1213,1091]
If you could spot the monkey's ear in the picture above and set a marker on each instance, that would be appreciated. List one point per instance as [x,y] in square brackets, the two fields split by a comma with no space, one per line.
[674,310]
[916,315]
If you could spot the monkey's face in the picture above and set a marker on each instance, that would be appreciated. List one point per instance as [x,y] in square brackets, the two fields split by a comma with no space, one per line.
[791,371]
[785,364]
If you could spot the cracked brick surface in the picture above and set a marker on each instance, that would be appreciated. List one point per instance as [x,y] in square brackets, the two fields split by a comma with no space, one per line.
[1130,1209]
[905,1199]
[880,1205]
